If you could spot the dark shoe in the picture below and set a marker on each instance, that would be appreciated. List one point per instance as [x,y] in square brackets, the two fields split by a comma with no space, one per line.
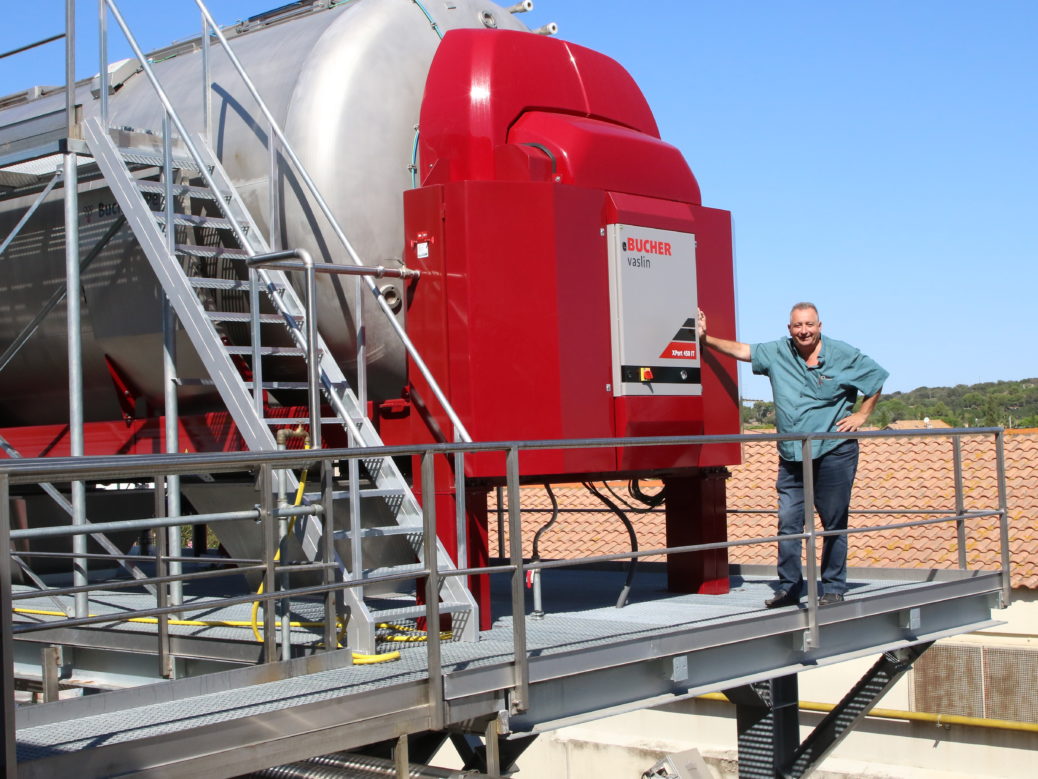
[780,599]
[830,598]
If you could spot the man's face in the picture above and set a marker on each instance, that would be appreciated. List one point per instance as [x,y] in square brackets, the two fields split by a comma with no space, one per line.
[804,328]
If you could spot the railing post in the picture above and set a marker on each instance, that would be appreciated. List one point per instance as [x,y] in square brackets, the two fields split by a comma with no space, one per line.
[9,752]
[432,591]
[313,368]
[521,691]
[169,366]
[75,369]
[960,503]
[71,128]
[269,529]
[813,637]
[459,512]
[207,102]
[162,588]
[102,34]
[1003,522]
[331,638]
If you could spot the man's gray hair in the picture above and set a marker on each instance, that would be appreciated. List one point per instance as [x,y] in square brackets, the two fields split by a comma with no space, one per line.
[801,306]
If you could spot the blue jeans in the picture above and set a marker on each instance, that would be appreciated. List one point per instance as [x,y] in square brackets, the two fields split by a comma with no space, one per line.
[833,479]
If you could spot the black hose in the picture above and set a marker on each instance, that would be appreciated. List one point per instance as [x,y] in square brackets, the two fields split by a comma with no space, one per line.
[547,526]
[626,591]
[652,501]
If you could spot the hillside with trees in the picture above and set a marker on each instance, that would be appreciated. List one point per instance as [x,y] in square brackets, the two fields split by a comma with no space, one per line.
[990,404]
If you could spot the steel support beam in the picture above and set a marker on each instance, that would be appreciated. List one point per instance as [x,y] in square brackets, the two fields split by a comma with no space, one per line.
[767,718]
[852,709]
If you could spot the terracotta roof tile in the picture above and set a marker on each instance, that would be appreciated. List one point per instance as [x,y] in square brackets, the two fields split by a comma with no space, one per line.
[894,474]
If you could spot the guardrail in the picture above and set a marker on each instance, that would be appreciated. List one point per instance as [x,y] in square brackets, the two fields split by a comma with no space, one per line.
[153,471]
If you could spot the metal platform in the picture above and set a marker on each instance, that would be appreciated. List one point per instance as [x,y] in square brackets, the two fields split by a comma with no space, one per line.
[587,659]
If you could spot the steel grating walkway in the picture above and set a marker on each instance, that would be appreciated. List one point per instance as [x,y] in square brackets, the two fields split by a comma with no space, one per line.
[586,659]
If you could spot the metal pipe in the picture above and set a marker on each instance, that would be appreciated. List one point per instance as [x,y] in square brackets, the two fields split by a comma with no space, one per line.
[207,82]
[432,593]
[521,691]
[960,505]
[521,8]
[332,268]
[169,363]
[70,68]
[910,716]
[813,631]
[270,545]
[129,524]
[8,745]
[102,53]
[1003,523]
[75,364]
[29,46]
[162,593]
[328,556]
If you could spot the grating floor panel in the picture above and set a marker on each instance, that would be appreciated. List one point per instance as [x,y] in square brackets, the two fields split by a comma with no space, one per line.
[570,625]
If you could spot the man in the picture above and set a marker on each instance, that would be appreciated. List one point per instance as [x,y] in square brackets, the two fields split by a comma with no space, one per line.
[815,383]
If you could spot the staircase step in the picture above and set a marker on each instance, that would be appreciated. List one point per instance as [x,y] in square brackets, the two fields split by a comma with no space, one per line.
[386,531]
[272,351]
[244,316]
[232,285]
[144,157]
[300,420]
[393,570]
[179,190]
[190,220]
[211,251]
[417,612]
[378,492]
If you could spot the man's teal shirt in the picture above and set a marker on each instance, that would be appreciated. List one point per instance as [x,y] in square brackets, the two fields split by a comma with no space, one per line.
[813,399]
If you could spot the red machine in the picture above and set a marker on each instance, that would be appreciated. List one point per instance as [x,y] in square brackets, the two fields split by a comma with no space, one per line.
[564,251]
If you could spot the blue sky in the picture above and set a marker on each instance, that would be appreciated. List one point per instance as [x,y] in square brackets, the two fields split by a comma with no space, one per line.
[879,158]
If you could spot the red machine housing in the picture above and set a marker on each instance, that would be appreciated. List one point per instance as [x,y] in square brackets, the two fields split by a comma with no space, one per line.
[534,152]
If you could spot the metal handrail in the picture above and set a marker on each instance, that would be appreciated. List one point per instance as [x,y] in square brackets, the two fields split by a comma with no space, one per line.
[209,23]
[286,149]
[67,469]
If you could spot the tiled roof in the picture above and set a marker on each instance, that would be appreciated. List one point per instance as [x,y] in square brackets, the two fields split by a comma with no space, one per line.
[916,424]
[894,474]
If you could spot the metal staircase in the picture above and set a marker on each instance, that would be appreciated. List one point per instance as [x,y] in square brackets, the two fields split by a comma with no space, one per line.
[214,295]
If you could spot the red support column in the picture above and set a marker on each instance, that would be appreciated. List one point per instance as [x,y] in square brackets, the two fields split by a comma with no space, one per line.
[696,513]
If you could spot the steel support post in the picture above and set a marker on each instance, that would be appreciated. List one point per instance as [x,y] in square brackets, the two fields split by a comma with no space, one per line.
[162,591]
[432,593]
[854,707]
[331,639]
[493,747]
[75,370]
[401,758]
[960,503]
[169,370]
[269,528]
[768,723]
[8,753]
[1003,519]
[521,690]
[50,672]
[811,567]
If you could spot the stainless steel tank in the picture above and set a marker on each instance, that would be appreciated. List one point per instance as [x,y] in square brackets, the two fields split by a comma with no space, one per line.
[346,85]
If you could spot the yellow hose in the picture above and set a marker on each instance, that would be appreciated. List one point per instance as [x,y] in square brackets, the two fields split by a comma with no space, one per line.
[358,658]
[912,716]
